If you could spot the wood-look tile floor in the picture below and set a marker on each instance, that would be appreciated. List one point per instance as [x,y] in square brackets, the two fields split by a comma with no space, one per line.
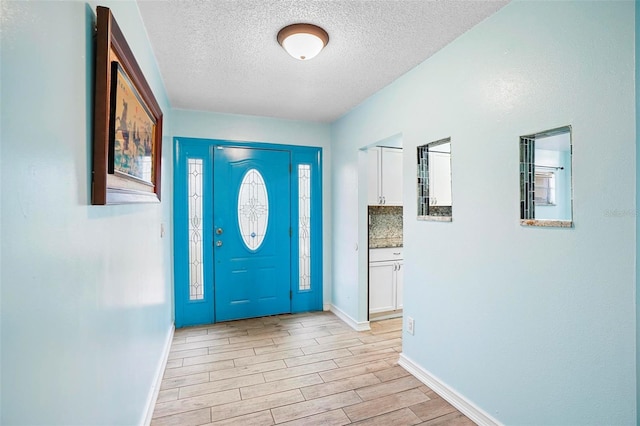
[305,369]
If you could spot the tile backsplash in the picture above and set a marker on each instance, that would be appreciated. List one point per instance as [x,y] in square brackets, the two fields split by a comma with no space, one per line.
[385,226]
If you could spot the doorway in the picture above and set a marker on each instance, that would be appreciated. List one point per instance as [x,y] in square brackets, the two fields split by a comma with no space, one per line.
[248,230]
[384,228]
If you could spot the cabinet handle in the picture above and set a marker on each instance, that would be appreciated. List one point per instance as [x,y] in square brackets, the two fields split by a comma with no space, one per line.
[396,253]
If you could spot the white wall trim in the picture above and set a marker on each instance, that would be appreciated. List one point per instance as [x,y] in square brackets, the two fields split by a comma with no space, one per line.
[357,326]
[465,406]
[326,307]
[155,389]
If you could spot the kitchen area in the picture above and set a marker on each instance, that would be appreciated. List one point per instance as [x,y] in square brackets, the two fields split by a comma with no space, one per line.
[385,218]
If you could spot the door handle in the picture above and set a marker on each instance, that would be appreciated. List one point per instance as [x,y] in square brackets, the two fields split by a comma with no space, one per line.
[219,243]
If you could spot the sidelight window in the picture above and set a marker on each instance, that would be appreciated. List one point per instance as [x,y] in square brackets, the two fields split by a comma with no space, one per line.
[304,226]
[196,275]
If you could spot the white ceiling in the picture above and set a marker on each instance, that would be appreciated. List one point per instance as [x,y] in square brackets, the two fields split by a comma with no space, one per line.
[223,56]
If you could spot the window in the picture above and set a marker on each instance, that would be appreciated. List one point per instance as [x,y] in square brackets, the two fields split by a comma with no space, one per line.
[545,189]
[304,226]
[194,188]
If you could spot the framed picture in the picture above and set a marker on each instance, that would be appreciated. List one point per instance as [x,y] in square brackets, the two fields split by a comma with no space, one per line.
[128,123]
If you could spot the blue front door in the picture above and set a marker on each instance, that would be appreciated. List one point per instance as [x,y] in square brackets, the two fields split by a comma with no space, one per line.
[247,230]
[252,232]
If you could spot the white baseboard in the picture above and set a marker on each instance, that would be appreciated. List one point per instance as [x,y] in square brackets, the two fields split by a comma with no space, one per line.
[155,389]
[465,406]
[326,307]
[357,326]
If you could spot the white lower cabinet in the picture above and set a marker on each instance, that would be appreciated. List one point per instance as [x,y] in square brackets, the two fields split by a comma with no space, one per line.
[381,288]
[385,280]
[399,285]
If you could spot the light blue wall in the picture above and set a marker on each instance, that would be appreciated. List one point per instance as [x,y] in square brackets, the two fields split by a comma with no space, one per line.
[86,296]
[211,125]
[234,127]
[534,326]
[637,209]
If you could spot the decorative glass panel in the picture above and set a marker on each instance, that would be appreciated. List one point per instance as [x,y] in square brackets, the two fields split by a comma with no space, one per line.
[304,226]
[253,209]
[423,180]
[527,178]
[196,276]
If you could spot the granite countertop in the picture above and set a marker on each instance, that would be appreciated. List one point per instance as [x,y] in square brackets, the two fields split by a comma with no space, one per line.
[384,242]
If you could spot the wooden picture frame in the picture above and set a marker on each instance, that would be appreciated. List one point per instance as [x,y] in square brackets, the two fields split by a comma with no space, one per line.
[127,141]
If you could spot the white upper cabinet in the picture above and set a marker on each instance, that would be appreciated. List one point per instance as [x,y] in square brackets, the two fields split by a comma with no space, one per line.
[440,179]
[373,171]
[391,176]
[385,176]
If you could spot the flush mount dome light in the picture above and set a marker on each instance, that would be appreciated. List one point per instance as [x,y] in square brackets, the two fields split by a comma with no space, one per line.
[303,41]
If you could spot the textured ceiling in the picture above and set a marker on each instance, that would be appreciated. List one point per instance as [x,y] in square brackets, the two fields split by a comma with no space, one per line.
[223,56]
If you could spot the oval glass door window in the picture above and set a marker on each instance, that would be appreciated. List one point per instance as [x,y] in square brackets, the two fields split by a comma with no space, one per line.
[253,209]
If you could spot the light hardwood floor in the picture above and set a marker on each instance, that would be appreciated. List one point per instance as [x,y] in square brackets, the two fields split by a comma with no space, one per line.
[306,369]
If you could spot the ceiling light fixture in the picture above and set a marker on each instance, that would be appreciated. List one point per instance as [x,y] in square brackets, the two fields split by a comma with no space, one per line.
[303,41]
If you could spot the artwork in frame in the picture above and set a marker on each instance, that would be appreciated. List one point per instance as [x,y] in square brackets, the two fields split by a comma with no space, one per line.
[131,130]
[128,123]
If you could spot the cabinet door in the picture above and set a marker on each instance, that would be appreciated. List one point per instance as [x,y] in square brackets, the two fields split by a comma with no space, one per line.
[381,287]
[399,284]
[392,176]
[440,179]
[373,181]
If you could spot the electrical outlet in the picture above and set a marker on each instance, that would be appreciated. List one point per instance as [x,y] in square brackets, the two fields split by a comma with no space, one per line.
[411,326]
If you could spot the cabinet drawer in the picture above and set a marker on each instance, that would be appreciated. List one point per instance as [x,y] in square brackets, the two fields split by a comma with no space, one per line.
[385,254]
